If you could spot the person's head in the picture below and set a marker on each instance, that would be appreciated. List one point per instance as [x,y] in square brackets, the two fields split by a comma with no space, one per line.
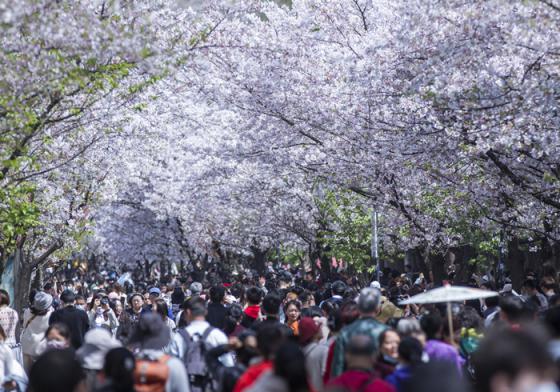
[552,321]
[309,331]
[178,296]
[4,298]
[195,288]
[217,294]
[234,314]
[338,288]
[81,302]
[432,325]
[269,338]
[289,364]
[68,297]
[360,352]
[154,294]
[410,351]
[410,327]
[150,333]
[41,303]
[195,309]
[119,369]
[253,295]
[492,302]
[307,299]
[513,361]
[160,307]
[389,343]
[369,301]
[58,336]
[45,374]
[271,305]
[529,287]
[292,309]
[513,310]
[136,302]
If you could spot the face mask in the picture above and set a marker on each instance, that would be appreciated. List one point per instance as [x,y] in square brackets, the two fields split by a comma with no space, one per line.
[389,359]
[81,307]
[56,344]
[99,311]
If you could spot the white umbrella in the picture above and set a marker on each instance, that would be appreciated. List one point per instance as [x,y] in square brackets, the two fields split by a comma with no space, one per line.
[449,294]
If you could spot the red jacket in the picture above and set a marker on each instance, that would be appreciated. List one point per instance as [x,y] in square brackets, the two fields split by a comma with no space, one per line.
[251,375]
[356,380]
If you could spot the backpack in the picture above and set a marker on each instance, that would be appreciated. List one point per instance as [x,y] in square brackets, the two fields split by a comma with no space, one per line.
[151,375]
[195,359]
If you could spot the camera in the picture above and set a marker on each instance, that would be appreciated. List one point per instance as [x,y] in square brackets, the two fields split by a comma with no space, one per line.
[104,301]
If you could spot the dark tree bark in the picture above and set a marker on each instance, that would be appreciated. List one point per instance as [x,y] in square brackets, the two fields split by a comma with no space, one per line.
[515,263]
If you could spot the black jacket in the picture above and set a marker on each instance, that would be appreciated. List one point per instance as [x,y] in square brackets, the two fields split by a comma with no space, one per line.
[76,320]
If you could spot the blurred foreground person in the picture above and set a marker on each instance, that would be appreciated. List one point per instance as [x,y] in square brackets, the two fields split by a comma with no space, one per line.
[360,354]
[514,361]
[57,370]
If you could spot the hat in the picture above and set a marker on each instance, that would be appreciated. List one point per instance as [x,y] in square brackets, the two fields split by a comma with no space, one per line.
[196,288]
[150,332]
[508,288]
[42,301]
[308,328]
[376,285]
[155,290]
[97,342]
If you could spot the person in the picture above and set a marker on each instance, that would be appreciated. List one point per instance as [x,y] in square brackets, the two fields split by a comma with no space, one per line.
[45,374]
[315,352]
[411,327]
[368,307]
[530,291]
[35,324]
[118,371]
[148,340]
[58,337]
[234,315]
[410,352]
[185,345]
[269,339]
[288,374]
[8,319]
[436,348]
[76,320]
[513,360]
[100,314]
[292,310]
[97,342]
[196,289]
[12,374]
[388,352]
[253,309]
[217,312]
[160,307]
[225,377]
[360,352]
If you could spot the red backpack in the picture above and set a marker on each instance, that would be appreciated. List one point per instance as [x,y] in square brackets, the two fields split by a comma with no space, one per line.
[151,375]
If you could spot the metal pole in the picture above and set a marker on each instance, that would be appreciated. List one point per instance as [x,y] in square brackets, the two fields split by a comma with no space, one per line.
[374,252]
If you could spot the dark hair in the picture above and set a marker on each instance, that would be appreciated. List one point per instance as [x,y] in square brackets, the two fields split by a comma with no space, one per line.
[92,302]
[2,333]
[45,372]
[434,376]
[305,296]
[289,364]
[432,324]
[254,295]
[469,318]
[178,296]
[217,294]
[492,301]
[271,304]
[383,335]
[269,338]
[162,309]
[552,320]
[510,353]
[119,369]
[196,305]
[4,297]
[313,311]
[62,329]
[234,314]
[410,350]
[131,297]
[294,302]
[514,308]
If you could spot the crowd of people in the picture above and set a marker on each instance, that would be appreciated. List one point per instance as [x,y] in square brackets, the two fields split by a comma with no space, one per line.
[282,330]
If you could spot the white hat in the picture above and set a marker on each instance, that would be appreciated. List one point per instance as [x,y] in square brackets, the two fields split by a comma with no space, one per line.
[375,284]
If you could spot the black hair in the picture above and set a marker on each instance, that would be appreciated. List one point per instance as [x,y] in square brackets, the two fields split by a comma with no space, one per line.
[234,314]
[514,308]
[217,294]
[271,304]
[269,338]
[45,372]
[289,364]
[509,353]
[432,324]
[196,305]
[254,295]
[4,297]
[119,369]
[162,309]
[552,320]
[492,301]
[410,351]
[62,329]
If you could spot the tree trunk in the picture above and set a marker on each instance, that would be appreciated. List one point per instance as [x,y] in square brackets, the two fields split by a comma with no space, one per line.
[259,259]
[437,262]
[515,263]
